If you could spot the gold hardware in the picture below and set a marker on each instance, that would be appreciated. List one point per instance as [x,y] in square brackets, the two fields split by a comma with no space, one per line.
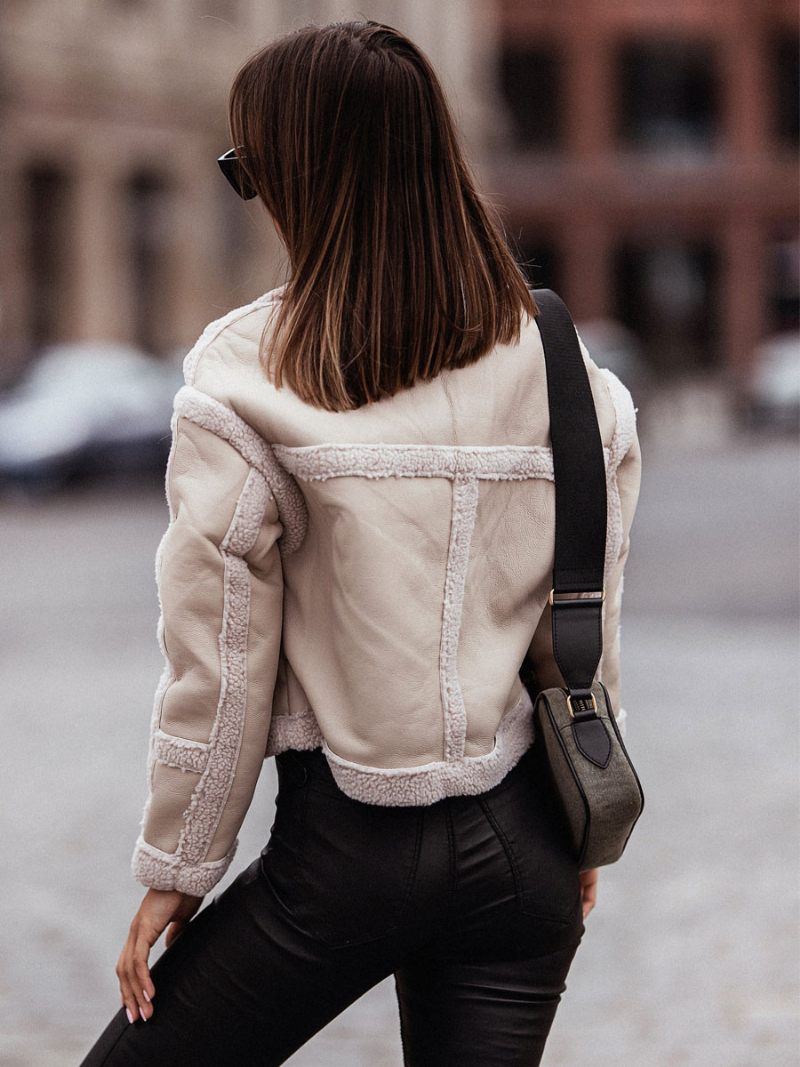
[592,596]
[569,704]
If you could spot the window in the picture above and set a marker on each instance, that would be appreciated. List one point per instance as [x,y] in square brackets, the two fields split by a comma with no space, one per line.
[784,68]
[530,81]
[48,202]
[149,239]
[667,95]
[783,282]
[666,291]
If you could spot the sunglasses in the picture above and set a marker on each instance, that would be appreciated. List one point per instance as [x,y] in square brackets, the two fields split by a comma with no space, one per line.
[231,166]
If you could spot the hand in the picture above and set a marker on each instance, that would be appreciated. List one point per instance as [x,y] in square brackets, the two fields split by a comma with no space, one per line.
[158,909]
[589,887]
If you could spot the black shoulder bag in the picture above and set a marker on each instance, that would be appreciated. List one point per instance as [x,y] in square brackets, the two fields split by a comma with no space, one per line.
[591,771]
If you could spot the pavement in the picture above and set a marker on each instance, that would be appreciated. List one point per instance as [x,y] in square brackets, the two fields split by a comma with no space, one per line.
[690,958]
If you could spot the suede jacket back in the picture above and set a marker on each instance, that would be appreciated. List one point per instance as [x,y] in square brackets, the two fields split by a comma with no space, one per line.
[369,582]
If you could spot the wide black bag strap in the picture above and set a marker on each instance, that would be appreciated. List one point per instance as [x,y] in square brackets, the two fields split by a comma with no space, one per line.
[581,505]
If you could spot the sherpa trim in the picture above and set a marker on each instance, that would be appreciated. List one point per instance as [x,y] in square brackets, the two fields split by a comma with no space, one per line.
[462,524]
[382,460]
[406,786]
[465,465]
[223,421]
[164,870]
[625,427]
[614,529]
[186,869]
[180,752]
[297,730]
[621,441]
[211,792]
[167,673]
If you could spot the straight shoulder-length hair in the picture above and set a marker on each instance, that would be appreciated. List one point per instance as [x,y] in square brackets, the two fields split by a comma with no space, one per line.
[398,267]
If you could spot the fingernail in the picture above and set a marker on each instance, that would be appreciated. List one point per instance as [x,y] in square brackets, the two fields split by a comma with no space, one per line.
[144,994]
[128,1013]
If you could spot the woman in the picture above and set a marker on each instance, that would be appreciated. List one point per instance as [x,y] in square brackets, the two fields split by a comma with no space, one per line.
[356,568]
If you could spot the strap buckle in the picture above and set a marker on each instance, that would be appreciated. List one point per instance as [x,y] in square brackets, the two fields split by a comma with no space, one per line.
[584,704]
[590,596]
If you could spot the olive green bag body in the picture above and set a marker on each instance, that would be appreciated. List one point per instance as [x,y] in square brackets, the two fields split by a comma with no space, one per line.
[592,774]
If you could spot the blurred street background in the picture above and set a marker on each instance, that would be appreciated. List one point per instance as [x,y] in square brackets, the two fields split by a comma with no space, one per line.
[645,159]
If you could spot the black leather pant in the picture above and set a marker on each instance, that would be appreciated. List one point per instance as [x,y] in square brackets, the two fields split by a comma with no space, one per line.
[472,903]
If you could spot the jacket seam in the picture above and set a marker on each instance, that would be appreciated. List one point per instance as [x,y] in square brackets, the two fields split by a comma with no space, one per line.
[221,420]
[464,502]
[293,730]
[209,797]
[226,736]
[215,329]
[383,460]
[180,752]
[469,775]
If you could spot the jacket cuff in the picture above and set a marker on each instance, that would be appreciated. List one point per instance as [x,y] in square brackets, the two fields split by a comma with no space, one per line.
[165,870]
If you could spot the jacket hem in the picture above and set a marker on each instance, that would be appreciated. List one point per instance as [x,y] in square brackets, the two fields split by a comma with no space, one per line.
[298,731]
[465,776]
[215,760]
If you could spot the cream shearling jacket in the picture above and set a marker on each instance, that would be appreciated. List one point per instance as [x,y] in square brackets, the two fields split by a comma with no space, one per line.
[367,581]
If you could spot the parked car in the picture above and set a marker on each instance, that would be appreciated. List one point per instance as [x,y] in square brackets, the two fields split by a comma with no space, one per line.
[85,409]
[772,400]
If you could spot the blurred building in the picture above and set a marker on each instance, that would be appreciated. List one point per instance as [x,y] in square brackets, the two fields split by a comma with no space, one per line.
[115,221]
[648,167]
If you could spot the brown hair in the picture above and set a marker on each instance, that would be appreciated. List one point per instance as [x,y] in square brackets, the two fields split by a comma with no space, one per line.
[399,267]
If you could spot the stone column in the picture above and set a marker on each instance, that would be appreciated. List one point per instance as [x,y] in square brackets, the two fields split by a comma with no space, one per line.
[586,248]
[14,277]
[744,123]
[744,275]
[745,128]
[101,304]
[585,236]
[588,83]
[195,251]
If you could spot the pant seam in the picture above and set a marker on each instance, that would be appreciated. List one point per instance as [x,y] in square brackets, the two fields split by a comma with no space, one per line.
[453,858]
[412,873]
[506,845]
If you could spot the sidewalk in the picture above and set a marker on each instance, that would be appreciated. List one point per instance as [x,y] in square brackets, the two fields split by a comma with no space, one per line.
[691,956]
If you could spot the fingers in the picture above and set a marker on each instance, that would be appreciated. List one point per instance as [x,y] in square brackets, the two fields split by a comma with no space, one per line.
[157,909]
[144,987]
[135,984]
[589,880]
[127,994]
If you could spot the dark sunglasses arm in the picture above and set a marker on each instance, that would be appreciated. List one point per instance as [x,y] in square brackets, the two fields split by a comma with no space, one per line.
[231,166]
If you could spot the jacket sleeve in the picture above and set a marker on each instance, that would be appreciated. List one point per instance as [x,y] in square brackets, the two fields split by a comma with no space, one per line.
[220,588]
[623,484]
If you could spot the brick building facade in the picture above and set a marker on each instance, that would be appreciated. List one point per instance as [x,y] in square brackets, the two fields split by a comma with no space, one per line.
[114,219]
[649,168]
